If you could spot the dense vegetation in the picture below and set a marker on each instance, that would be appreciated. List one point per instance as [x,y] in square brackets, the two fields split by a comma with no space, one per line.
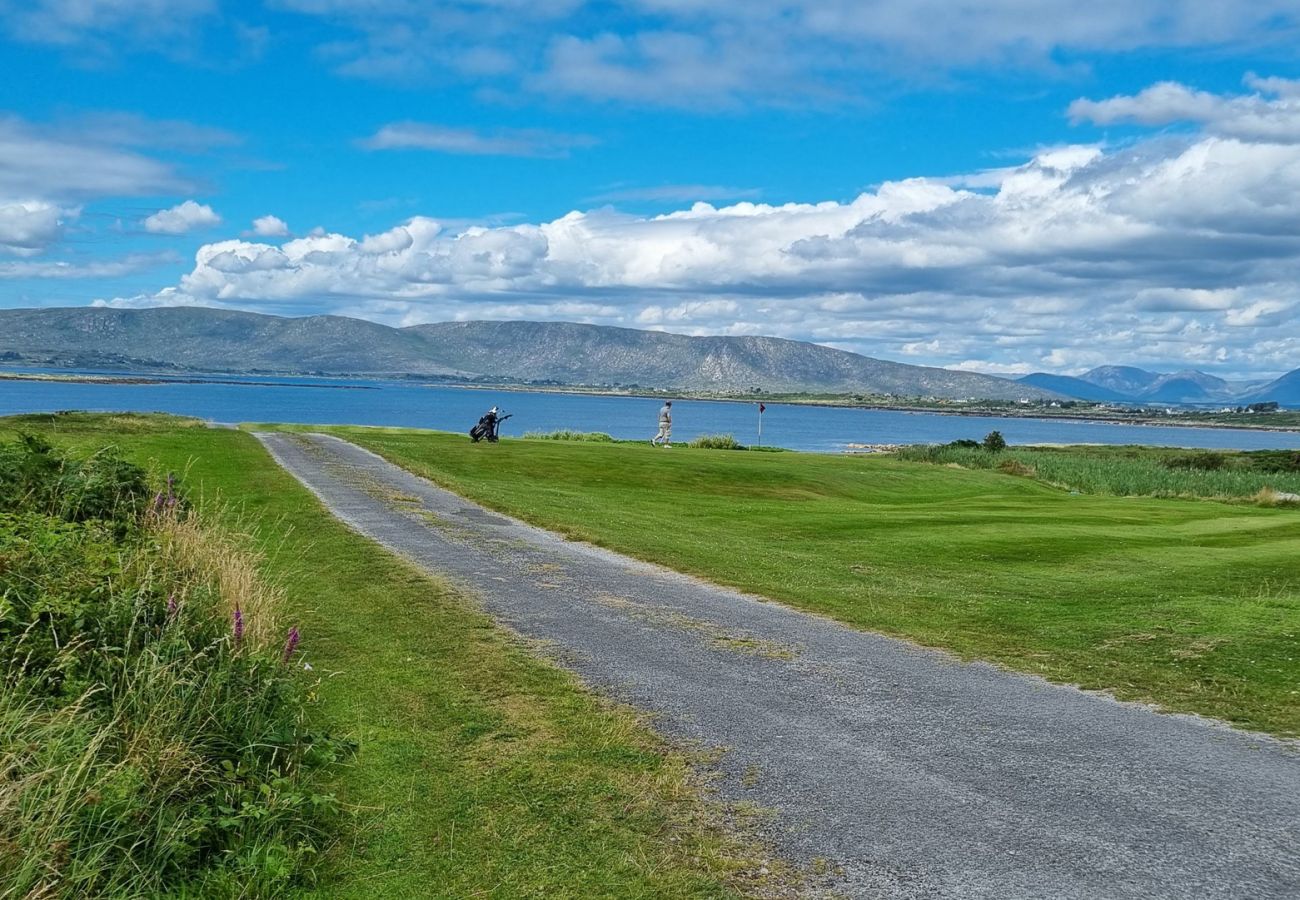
[1258,475]
[152,727]
[1188,603]
[480,770]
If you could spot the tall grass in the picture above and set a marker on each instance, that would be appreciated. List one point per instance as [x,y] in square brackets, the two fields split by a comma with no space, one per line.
[564,434]
[1132,471]
[153,722]
[717,442]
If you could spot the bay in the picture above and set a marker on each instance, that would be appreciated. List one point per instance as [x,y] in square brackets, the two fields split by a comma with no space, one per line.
[377,402]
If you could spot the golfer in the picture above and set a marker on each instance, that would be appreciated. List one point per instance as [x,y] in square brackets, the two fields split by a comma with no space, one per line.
[665,426]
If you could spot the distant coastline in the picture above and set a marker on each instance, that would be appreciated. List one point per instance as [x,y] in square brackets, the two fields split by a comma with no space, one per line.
[85,378]
[1284,421]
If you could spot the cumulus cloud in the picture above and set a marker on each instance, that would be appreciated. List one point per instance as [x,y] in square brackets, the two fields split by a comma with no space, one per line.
[1168,251]
[30,226]
[1271,114]
[270,226]
[182,218]
[474,142]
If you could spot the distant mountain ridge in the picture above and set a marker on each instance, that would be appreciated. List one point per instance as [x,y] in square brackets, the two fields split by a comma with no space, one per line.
[1126,384]
[203,339]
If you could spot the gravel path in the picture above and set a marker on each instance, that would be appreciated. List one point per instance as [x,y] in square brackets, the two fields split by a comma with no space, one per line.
[919,775]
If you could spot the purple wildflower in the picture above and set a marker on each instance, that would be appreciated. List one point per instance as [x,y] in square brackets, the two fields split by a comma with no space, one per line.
[239,625]
[171,606]
[158,502]
[290,644]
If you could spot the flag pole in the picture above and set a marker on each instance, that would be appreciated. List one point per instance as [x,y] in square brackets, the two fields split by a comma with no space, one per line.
[760,424]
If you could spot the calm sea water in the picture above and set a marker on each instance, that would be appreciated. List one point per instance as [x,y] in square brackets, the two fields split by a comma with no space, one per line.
[365,402]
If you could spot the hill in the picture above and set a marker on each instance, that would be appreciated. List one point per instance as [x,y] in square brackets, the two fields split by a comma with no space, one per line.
[1284,390]
[198,339]
[1073,387]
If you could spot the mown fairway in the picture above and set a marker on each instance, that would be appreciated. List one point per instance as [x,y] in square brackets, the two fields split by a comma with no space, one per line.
[481,771]
[1191,604]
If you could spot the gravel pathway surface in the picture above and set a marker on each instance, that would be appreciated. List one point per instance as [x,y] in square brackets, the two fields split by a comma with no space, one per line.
[915,774]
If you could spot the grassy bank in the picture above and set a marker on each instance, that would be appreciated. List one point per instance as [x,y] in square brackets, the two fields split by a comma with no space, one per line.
[479,770]
[153,733]
[1135,471]
[1191,604]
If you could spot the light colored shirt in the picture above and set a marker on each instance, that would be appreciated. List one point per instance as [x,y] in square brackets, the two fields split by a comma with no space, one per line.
[666,414]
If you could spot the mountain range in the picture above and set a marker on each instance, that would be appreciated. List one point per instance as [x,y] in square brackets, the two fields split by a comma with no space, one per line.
[1126,384]
[199,339]
[196,339]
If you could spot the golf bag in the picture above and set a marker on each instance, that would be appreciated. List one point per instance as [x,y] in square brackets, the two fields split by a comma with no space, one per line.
[487,427]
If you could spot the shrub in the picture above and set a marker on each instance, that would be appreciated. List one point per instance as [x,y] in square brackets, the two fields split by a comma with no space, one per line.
[716,442]
[994,442]
[1016,467]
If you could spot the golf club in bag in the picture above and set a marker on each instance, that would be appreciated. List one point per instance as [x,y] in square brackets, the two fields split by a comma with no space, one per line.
[487,427]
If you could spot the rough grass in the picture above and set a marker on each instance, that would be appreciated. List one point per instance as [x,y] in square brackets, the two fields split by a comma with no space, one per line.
[149,746]
[1132,471]
[1194,605]
[717,442]
[596,437]
[480,770]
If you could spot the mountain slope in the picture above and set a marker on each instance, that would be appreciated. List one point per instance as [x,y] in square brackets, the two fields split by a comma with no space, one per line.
[1284,390]
[198,339]
[1073,387]
[593,354]
[1127,380]
[201,339]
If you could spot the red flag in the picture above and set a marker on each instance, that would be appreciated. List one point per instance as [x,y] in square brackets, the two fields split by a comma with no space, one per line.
[761,407]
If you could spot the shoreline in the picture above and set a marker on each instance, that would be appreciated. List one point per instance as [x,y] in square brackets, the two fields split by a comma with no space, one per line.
[1091,416]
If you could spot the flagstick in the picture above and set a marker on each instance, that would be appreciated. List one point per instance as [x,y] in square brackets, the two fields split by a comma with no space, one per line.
[760,424]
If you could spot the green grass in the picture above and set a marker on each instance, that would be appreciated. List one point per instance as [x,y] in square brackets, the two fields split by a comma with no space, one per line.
[1135,471]
[595,437]
[1194,605]
[480,770]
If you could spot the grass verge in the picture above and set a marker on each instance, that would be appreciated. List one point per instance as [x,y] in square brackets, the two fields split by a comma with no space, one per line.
[1193,605]
[480,770]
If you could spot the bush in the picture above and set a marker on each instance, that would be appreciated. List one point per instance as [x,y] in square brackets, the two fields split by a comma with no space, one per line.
[153,732]
[716,442]
[964,443]
[994,442]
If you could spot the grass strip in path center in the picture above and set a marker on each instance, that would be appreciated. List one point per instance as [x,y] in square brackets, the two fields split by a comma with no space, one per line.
[1194,605]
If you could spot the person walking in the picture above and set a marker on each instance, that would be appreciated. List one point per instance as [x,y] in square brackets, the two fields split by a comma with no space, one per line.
[665,426]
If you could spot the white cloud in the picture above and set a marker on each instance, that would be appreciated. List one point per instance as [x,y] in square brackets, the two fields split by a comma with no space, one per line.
[1157,252]
[64,270]
[473,142]
[48,164]
[30,226]
[722,52]
[270,226]
[102,26]
[182,218]
[1271,114]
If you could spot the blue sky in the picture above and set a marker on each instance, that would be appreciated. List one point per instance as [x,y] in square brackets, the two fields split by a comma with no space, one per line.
[1033,185]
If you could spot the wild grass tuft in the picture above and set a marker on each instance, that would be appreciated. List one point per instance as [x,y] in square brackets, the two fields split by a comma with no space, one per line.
[717,442]
[595,437]
[147,747]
